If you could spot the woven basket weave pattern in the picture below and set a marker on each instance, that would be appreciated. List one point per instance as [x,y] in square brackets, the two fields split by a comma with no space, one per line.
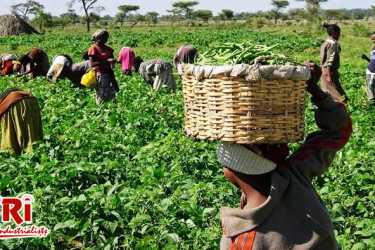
[234,110]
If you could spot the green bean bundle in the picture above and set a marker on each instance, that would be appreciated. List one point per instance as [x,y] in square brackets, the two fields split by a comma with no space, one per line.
[236,53]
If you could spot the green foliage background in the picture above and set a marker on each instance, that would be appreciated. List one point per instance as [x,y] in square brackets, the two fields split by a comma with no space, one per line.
[123,175]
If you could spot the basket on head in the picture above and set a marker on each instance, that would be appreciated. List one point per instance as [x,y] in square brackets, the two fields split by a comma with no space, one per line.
[248,104]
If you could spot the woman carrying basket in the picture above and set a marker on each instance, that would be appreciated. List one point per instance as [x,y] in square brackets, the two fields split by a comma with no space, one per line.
[280,208]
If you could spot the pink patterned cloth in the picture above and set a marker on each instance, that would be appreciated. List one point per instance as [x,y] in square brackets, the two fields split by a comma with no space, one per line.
[126,56]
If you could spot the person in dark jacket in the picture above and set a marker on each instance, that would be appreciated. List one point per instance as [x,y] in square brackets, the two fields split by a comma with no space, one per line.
[280,208]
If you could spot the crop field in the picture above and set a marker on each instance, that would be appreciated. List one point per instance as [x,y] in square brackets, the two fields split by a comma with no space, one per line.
[123,175]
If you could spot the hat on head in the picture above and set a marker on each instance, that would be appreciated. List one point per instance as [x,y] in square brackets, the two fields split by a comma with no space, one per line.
[243,160]
[56,71]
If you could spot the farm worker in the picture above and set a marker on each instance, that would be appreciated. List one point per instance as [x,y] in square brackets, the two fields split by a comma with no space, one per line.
[125,57]
[35,63]
[185,54]
[60,65]
[158,68]
[280,208]
[370,72]
[9,64]
[77,71]
[21,123]
[330,61]
[101,58]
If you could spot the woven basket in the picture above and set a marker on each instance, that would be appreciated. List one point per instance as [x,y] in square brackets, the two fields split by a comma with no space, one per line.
[246,103]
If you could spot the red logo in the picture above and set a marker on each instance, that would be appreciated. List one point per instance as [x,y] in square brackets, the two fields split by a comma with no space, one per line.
[11,208]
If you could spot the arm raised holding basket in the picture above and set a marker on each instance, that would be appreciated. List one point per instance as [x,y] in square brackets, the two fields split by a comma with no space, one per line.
[280,208]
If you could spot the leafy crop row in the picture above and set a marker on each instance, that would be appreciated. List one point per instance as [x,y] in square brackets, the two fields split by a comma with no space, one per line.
[123,175]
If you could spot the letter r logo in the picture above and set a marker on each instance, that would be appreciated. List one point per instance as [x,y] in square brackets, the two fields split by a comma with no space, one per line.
[11,207]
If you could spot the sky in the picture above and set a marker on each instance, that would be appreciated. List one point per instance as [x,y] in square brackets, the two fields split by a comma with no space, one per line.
[57,7]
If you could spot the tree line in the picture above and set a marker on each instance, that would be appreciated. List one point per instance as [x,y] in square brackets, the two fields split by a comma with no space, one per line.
[181,11]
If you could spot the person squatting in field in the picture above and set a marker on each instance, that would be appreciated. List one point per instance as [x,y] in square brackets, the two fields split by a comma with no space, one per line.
[185,54]
[35,63]
[330,61]
[370,71]
[125,58]
[280,208]
[60,65]
[101,58]
[21,123]
[158,68]
[9,64]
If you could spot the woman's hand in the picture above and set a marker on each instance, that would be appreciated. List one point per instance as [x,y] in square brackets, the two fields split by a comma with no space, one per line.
[312,83]
[316,72]
[363,56]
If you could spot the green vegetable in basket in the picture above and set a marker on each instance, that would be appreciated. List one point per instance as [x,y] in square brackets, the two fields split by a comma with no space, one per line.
[236,53]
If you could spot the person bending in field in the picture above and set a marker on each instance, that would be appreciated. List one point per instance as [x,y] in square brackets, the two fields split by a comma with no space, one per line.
[370,72]
[9,64]
[35,63]
[330,61]
[125,58]
[78,70]
[21,123]
[158,68]
[101,58]
[280,208]
[60,65]
[185,54]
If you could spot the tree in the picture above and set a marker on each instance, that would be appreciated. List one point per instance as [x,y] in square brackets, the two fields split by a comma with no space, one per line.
[205,15]
[312,6]
[119,18]
[185,7]
[137,18]
[151,17]
[176,14]
[42,18]
[226,14]
[297,13]
[124,11]
[87,5]
[332,14]
[71,16]
[23,9]
[279,5]
[98,9]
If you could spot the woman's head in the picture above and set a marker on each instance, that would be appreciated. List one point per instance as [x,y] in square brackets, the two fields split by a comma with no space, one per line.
[137,62]
[373,37]
[24,59]
[100,36]
[246,165]
[17,66]
[333,30]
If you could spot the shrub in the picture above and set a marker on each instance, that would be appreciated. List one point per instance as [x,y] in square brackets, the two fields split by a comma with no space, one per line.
[361,30]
